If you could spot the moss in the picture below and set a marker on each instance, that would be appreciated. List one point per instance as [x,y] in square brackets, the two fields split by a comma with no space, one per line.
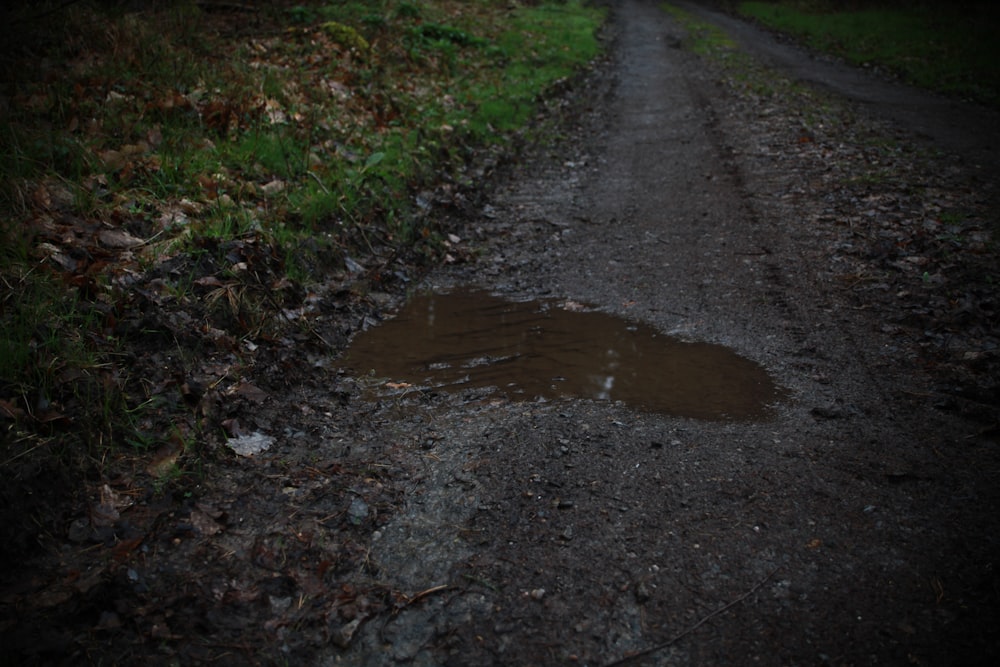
[346,36]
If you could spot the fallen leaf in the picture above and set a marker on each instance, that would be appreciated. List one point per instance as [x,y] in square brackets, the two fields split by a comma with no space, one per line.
[113,160]
[58,256]
[249,391]
[272,188]
[117,238]
[164,460]
[248,445]
[124,549]
[209,281]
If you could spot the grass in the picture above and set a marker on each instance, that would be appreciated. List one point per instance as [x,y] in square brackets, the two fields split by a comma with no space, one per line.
[53,358]
[239,152]
[552,39]
[947,48]
[703,38]
[713,43]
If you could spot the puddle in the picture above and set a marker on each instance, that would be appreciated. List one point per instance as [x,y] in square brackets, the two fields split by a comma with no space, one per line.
[551,349]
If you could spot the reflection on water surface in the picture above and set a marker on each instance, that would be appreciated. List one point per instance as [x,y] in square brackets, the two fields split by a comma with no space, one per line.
[544,349]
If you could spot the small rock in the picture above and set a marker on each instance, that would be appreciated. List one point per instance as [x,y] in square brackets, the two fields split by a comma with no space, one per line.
[358,511]
[343,635]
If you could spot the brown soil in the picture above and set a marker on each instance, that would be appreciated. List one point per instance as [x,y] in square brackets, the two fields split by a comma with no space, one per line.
[849,257]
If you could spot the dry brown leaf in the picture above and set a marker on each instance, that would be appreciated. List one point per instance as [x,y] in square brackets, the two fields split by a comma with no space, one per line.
[117,238]
[164,460]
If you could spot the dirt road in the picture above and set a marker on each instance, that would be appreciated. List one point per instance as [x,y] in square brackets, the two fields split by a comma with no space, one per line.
[971,131]
[857,527]
[851,520]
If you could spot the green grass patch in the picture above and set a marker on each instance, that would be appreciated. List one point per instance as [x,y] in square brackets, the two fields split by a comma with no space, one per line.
[954,50]
[200,162]
[541,45]
[53,355]
[703,38]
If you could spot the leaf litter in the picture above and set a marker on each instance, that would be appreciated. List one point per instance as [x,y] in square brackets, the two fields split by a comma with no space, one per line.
[228,457]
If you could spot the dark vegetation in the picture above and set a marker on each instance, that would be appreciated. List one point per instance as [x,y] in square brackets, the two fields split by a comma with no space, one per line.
[196,194]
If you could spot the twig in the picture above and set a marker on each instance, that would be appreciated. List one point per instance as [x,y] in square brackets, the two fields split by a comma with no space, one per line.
[4,464]
[322,186]
[422,594]
[683,633]
[417,597]
[984,431]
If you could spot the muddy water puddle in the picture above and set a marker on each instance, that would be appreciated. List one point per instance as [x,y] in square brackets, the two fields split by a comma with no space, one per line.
[549,349]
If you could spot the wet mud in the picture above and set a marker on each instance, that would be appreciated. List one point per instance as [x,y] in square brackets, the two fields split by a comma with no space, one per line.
[557,349]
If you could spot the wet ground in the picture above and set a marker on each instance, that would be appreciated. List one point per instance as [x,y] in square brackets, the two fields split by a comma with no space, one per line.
[551,350]
[801,471]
